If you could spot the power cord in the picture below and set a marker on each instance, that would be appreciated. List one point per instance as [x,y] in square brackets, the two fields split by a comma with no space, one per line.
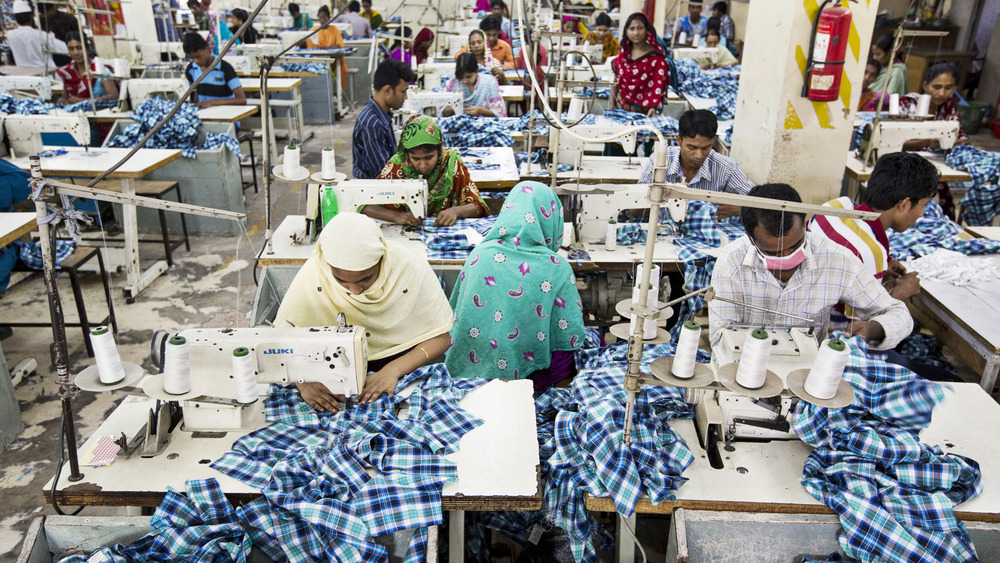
[631,532]
[59,464]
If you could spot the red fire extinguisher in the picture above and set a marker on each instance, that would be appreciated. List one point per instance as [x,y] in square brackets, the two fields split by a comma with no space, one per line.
[826,53]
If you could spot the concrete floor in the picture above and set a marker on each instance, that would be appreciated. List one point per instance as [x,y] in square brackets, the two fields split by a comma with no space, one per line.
[210,286]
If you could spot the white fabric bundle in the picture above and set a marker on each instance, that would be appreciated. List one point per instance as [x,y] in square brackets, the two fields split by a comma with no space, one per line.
[952,267]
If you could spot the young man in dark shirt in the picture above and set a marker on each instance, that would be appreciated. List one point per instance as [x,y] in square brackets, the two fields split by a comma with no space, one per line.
[374,140]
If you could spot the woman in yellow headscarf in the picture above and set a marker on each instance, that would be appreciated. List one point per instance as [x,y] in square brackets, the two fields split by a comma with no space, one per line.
[379,285]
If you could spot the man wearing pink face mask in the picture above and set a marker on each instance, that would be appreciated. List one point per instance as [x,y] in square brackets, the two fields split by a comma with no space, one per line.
[780,266]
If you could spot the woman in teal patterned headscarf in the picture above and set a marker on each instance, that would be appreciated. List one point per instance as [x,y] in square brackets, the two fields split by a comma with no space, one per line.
[517,310]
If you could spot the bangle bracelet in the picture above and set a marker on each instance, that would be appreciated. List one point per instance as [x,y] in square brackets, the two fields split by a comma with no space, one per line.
[421,348]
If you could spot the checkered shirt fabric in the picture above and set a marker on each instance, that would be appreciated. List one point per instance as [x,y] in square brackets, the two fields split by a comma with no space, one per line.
[982,202]
[464,130]
[448,243]
[30,253]
[895,496]
[934,231]
[722,84]
[180,132]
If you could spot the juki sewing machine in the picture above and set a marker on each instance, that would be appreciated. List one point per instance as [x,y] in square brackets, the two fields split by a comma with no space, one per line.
[138,90]
[885,136]
[418,102]
[27,86]
[597,209]
[241,63]
[24,132]
[352,194]
[570,149]
[711,53]
[259,49]
[334,356]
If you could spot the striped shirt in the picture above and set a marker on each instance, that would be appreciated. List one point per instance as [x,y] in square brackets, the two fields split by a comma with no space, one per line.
[718,174]
[865,239]
[220,84]
[828,275]
[374,141]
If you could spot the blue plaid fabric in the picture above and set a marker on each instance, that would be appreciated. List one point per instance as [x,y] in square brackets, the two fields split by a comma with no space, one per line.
[448,243]
[666,125]
[926,348]
[320,503]
[180,132]
[982,202]
[27,106]
[464,130]
[198,526]
[895,496]
[934,231]
[722,84]
[88,105]
[30,253]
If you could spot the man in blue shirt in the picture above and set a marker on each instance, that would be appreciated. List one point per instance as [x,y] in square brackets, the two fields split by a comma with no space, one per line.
[221,87]
[374,140]
[693,23]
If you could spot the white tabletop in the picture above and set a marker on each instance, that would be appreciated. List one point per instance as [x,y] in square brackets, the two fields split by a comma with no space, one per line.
[976,308]
[663,252]
[985,232]
[273,84]
[503,178]
[498,459]
[79,162]
[225,114]
[513,93]
[856,169]
[602,169]
[699,103]
[14,225]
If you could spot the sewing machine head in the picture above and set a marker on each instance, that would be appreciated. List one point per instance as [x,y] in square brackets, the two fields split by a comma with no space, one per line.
[241,63]
[252,52]
[711,53]
[138,90]
[24,132]
[352,194]
[419,102]
[291,37]
[571,149]
[334,356]
[597,209]
[886,136]
[27,86]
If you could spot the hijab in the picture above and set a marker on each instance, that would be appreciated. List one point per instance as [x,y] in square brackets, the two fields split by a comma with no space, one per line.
[423,130]
[419,50]
[404,306]
[516,300]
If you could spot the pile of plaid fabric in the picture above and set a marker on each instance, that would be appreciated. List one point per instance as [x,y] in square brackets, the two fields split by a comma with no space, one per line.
[449,243]
[895,496]
[722,84]
[934,231]
[180,132]
[34,106]
[982,202]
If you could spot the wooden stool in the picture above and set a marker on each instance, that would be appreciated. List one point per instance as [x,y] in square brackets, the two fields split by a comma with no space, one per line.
[155,189]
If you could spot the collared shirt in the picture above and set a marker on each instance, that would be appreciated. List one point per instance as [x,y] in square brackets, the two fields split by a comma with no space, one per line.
[26,45]
[360,27]
[726,28]
[718,173]
[374,141]
[828,275]
[220,84]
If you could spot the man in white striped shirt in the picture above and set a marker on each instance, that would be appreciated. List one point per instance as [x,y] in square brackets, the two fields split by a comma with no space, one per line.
[781,267]
[695,163]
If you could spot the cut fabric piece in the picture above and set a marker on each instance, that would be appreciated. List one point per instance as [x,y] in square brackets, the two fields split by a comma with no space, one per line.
[934,231]
[895,496]
[450,243]
[953,267]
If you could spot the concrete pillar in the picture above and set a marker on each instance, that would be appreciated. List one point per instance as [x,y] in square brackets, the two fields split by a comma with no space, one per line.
[626,9]
[780,136]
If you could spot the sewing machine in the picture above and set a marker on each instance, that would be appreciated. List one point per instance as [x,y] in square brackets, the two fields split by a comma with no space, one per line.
[27,86]
[291,37]
[352,194]
[151,53]
[138,90]
[334,356]
[24,132]
[419,102]
[257,50]
[597,209]
[886,136]
[571,149]
[240,63]
[738,417]
[711,53]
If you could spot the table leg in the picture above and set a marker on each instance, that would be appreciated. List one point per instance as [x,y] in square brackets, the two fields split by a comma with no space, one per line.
[624,546]
[989,380]
[432,544]
[136,278]
[456,536]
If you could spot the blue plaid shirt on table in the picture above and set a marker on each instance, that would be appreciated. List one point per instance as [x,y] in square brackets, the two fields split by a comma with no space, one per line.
[449,243]
[895,496]
[982,202]
[934,231]
[180,132]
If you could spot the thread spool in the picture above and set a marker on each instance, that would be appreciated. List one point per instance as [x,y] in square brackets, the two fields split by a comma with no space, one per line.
[329,166]
[924,105]
[290,165]
[649,326]
[98,65]
[109,363]
[611,239]
[752,370]
[177,366]
[696,40]
[686,351]
[826,373]
[682,38]
[575,109]
[244,377]
[121,68]
[893,104]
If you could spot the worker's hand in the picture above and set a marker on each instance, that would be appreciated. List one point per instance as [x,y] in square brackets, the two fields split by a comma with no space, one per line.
[651,112]
[204,104]
[705,66]
[906,286]
[726,210]
[380,383]
[407,218]
[871,331]
[319,397]
[475,110]
[446,218]
[447,112]
[896,268]
[934,143]
[497,72]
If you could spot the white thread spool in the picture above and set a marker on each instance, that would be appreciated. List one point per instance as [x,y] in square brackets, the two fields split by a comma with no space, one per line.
[329,168]
[109,363]
[290,165]
[177,366]
[575,109]
[924,105]
[430,59]
[611,239]
[695,40]
[98,65]
[752,370]
[244,377]
[682,38]
[121,68]
[649,326]
[893,104]
[826,373]
[686,351]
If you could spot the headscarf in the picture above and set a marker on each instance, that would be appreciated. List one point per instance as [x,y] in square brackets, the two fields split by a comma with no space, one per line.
[404,306]
[516,299]
[418,50]
[642,83]
[423,130]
